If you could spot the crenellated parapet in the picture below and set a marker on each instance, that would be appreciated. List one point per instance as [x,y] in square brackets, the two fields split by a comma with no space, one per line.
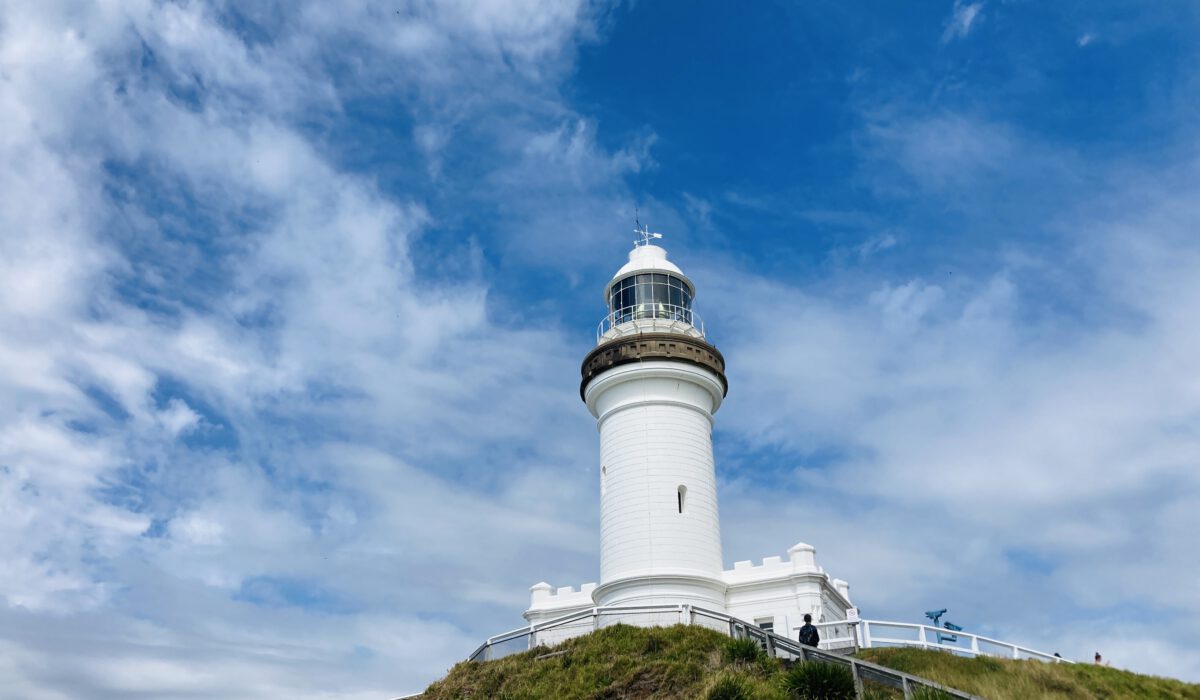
[545,594]
[546,601]
[781,590]
[801,560]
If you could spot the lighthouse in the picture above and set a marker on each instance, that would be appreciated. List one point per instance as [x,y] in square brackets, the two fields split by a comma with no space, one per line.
[653,382]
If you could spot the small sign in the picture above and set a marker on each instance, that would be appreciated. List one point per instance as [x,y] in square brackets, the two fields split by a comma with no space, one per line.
[851,614]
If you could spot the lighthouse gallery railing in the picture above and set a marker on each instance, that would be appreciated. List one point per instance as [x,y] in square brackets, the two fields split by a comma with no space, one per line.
[666,314]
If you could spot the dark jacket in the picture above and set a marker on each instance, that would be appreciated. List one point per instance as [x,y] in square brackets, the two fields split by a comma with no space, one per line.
[809,635]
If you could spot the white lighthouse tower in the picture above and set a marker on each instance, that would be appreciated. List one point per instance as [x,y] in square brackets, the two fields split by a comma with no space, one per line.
[653,383]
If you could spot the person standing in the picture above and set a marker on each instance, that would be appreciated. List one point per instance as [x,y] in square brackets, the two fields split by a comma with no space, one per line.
[808,633]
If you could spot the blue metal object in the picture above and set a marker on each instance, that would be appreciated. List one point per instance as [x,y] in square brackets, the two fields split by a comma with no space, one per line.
[952,638]
[935,615]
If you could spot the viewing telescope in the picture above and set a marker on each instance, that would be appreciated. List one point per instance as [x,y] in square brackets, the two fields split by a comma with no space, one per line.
[952,638]
[936,616]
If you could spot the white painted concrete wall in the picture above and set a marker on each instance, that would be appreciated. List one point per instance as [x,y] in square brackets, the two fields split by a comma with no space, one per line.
[655,423]
[783,590]
[778,589]
[548,603]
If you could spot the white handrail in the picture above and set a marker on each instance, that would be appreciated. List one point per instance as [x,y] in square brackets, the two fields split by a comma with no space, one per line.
[663,313]
[867,635]
[774,644]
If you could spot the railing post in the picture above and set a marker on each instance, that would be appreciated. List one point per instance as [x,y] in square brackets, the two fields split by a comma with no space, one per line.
[921,637]
[866,634]
[1016,652]
[907,688]
[974,645]
[858,683]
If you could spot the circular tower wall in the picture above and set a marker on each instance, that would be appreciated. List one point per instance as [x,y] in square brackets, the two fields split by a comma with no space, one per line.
[653,391]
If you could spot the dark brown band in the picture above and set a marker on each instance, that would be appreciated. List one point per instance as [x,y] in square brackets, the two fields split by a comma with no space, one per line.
[652,346]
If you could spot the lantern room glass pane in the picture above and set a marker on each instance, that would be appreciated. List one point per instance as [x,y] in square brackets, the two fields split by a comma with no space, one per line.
[650,295]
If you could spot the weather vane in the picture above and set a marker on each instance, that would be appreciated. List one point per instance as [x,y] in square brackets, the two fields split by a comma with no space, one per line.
[643,232]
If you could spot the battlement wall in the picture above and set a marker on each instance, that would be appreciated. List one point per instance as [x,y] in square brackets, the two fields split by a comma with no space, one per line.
[547,602]
[801,559]
[543,595]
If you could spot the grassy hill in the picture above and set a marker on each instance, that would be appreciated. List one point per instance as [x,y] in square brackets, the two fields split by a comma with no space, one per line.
[681,662]
[1003,679]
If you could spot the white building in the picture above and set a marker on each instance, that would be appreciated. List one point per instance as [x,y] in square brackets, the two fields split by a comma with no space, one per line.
[653,383]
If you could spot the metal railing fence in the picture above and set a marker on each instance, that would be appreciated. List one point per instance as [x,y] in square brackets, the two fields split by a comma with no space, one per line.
[878,633]
[667,314]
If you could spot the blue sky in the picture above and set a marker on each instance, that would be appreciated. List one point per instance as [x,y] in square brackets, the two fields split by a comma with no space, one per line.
[293,298]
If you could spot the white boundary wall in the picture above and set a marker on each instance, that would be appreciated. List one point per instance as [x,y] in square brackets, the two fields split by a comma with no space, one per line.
[777,591]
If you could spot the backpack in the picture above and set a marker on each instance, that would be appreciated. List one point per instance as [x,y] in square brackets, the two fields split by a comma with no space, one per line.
[809,636]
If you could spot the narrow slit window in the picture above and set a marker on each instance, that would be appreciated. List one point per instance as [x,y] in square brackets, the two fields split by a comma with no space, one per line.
[681,496]
[603,479]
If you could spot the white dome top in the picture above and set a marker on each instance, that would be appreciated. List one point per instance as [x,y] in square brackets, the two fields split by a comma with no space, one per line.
[647,258]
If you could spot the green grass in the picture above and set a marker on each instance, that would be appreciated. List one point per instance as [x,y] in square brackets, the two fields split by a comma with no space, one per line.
[620,662]
[1005,679]
[824,681]
[681,662]
[743,650]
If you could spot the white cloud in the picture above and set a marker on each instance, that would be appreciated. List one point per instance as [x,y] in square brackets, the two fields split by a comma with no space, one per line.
[943,150]
[699,210]
[968,430]
[904,306]
[876,244]
[222,370]
[963,18]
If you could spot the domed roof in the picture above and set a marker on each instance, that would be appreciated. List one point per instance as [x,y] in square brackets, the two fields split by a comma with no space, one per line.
[648,258]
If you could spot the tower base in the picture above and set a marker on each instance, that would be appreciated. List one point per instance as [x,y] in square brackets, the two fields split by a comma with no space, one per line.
[663,589]
[775,594]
